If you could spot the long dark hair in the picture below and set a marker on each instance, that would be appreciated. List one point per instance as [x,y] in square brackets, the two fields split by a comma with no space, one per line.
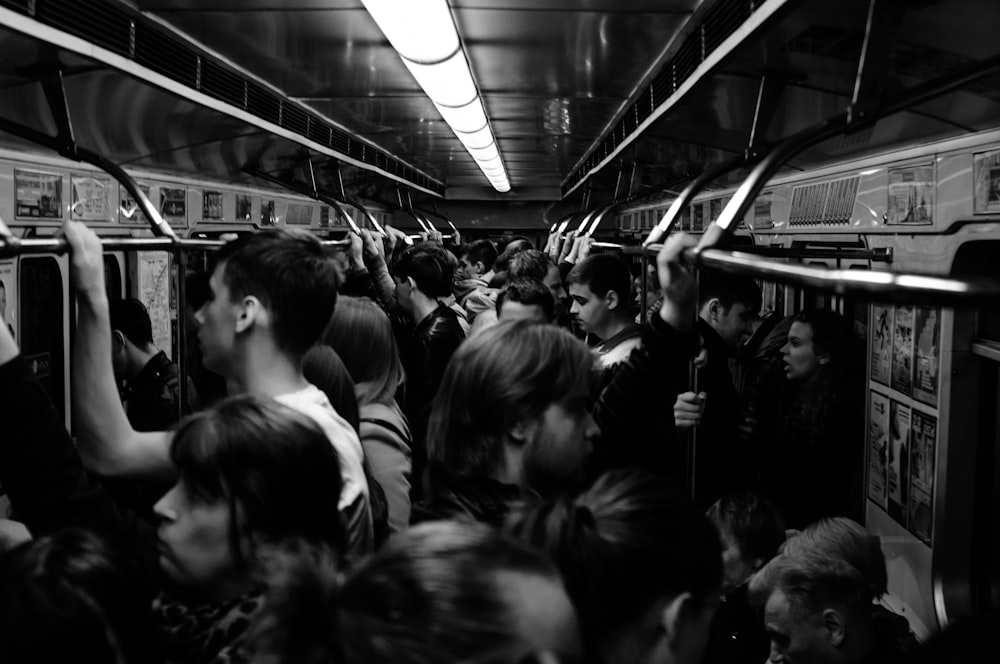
[361,333]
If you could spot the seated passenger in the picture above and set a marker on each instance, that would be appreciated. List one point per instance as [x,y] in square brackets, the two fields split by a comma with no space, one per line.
[441,592]
[66,594]
[818,605]
[513,416]
[751,531]
[253,475]
[599,288]
[271,296]
[642,567]
[361,333]
[526,299]
[808,429]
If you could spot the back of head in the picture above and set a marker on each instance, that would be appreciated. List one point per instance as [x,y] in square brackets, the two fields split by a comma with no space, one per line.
[842,539]
[131,318]
[274,466]
[361,333]
[528,292]
[629,541]
[728,289]
[529,264]
[293,278]
[481,251]
[812,581]
[433,594]
[506,374]
[323,367]
[65,595]
[753,523]
[602,273]
[513,248]
[430,266]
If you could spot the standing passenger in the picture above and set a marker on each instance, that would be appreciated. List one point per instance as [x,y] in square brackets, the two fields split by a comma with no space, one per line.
[599,289]
[271,296]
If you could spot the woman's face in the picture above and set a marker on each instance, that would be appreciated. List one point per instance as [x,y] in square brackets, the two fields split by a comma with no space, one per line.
[195,550]
[799,353]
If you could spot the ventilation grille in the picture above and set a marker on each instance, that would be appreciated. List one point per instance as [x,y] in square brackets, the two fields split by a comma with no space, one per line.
[716,25]
[121,30]
[827,203]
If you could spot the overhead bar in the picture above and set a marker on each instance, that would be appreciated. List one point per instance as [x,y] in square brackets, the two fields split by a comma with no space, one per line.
[12,247]
[305,190]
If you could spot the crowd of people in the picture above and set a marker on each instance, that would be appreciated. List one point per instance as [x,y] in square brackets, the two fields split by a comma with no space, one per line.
[428,454]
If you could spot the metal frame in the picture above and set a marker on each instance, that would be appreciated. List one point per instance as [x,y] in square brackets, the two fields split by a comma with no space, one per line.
[304,189]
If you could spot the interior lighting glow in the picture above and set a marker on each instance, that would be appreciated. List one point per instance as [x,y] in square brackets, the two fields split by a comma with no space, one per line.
[423,32]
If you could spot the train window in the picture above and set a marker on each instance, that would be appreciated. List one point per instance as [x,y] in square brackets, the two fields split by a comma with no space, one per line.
[42,324]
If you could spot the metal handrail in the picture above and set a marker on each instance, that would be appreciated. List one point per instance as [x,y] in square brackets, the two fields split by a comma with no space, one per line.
[12,247]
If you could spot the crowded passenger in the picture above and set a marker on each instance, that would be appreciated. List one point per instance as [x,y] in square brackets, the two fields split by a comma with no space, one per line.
[526,299]
[271,296]
[475,269]
[599,290]
[443,592]
[642,567]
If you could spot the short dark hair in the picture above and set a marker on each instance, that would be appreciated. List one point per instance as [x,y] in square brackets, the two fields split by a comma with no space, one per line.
[291,275]
[528,292]
[481,251]
[131,318]
[752,521]
[629,540]
[430,267]
[603,273]
[529,264]
[274,466]
[729,289]
[513,248]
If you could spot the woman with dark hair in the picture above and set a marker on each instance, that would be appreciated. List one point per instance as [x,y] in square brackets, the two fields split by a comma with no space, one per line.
[361,334]
[642,567]
[808,421]
[439,593]
[253,475]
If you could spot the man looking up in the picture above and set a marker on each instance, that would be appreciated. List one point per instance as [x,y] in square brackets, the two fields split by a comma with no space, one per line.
[271,295]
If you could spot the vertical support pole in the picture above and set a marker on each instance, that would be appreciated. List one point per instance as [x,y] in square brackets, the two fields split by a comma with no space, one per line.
[643,288]
[180,257]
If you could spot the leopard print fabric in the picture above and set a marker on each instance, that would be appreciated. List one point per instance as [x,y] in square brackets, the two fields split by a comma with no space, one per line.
[208,633]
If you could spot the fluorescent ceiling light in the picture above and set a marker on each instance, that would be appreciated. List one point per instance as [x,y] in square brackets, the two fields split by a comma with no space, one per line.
[423,33]
[467,119]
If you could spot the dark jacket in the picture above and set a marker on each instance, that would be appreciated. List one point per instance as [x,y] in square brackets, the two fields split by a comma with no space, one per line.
[461,499]
[153,395]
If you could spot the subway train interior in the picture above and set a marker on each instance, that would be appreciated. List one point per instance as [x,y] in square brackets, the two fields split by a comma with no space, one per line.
[842,154]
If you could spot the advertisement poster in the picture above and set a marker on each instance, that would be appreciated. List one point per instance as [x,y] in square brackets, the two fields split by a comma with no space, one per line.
[923,450]
[244,207]
[211,205]
[131,213]
[987,174]
[927,355]
[698,217]
[762,211]
[299,214]
[897,475]
[911,195]
[324,216]
[8,297]
[173,204]
[878,444]
[153,283]
[881,343]
[267,217]
[902,350]
[93,199]
[39,195]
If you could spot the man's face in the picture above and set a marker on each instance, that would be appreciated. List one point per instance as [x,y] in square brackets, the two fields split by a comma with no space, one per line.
[588,308]
[217,324]
[733,324]
[553,282]
[559,444]
[795,639]
[467,270]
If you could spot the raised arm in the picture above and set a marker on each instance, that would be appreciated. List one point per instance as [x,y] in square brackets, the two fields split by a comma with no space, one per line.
[107,442]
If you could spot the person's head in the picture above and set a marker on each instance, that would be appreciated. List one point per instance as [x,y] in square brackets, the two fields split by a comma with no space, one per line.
[131,337]
[477,259]
[819,341]
[513,248]
[440,592]
[362,335]
[273,289]
[751,531]
[526,299]
[423,273]
[599,292]
[728,304]
[817,608]
[847,540]
[323,368]
[514,405]
[642,566]
[67,594]
[252,474]
[535,264]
